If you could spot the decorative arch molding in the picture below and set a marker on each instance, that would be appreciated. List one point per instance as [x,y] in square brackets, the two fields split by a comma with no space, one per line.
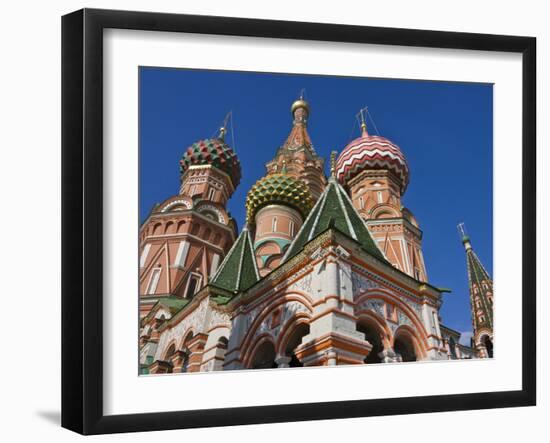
[167,348]
[258,342]
[207,207]
[261,317]
[419,344]
[186,337]
[215,334]
[484,332]
[372,318]
[382,209]
[174,204]
[288,329]
[379,293]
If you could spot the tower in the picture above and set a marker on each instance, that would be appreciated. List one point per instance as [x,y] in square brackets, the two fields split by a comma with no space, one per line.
[297,153]
[376,175]
[278,203]
[276,206]
[185,238]
[481,299]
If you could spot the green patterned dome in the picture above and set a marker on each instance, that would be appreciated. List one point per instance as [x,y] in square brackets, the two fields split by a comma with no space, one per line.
[213,152]
[278,189]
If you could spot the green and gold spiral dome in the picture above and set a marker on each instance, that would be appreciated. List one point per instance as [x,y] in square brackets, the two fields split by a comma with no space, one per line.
[278,189]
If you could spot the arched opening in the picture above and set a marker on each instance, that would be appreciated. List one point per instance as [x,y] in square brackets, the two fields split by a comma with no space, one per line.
[372,335]
[169,228]
[293,342]
[168,355]
[156,229]
[404,346]
[181,226]
[186,351]
[264,357]
[487,342]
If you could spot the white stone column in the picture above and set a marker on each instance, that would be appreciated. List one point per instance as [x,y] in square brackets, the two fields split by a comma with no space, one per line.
[282,361]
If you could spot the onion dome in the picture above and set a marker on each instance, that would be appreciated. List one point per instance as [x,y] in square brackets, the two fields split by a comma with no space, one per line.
[371,152]
[278,189]
[213,152]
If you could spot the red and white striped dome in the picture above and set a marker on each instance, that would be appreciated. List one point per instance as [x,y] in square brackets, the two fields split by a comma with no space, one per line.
[371,152]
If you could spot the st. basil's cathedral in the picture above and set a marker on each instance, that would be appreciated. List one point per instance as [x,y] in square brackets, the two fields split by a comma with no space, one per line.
[326,271]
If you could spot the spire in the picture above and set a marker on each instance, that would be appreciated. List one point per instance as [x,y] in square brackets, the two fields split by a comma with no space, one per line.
[364,132]
[238,271]
[298,136]
[333,156]
[334,210]
[481,290]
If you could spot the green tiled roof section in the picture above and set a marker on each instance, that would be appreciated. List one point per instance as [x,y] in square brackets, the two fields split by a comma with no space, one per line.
[174,304]
[238,270]
[334,209]
[480,278]
[331,214]
[226,277]
[248,274]
[476,268]
[302,237]
[361,231]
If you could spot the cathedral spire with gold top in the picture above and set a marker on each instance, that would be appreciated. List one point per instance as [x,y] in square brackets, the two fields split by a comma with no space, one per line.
[298,153]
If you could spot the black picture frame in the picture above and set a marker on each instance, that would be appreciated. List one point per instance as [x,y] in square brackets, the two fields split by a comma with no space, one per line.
[82,218]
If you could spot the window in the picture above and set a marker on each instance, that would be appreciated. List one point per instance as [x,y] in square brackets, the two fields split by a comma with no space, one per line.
[274,224]
[361,203]
[291,228]
[192,190]
[154,281]
[181,255]
[192,286]
[379,196]
[211,194]
[144,255]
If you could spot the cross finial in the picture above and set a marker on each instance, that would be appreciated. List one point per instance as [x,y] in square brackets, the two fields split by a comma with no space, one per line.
[223,129]
[363,123]
[464,236]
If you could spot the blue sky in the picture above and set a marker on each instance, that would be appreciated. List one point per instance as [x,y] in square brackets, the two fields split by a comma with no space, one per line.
[444,129]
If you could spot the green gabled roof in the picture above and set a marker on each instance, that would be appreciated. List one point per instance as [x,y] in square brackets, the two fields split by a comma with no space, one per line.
[334,210]
[238,270]
[173,304]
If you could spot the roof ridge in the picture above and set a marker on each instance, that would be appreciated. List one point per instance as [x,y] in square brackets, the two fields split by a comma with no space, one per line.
[346,215]
[231,273]
[340,214]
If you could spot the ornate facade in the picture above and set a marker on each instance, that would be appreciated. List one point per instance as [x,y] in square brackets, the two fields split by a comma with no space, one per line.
[326,271]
